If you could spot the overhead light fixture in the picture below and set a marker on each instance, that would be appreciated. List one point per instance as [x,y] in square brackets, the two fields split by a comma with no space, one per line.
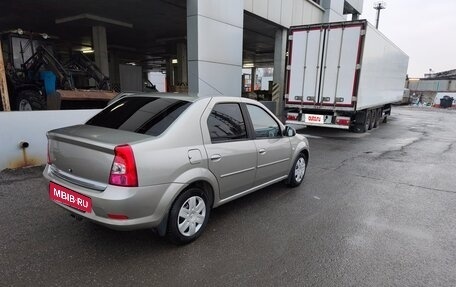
[131,63]
[87,51]
[45,36]
[174,61]
[248,65]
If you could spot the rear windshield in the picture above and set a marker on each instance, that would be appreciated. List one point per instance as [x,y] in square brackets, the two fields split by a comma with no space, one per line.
[144,115]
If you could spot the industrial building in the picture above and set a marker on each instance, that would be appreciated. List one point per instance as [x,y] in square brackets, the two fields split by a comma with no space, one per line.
[432,87]
[199,46]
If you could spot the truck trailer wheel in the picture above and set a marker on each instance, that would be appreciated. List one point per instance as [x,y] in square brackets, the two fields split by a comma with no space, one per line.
[378,118]
[30,100]
[371,116]
[368,121]
[362,119]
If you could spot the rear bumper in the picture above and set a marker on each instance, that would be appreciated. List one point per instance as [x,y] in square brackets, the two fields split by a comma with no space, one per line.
[145,207]
[317,125]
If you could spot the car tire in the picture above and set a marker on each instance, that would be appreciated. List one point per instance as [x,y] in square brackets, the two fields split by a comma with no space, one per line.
[298,171]
[188,216]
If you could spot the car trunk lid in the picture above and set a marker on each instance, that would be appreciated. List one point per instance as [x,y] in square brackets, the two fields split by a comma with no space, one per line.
[84,154]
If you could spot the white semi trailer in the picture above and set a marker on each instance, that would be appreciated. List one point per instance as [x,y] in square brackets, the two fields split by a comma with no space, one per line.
[342,75]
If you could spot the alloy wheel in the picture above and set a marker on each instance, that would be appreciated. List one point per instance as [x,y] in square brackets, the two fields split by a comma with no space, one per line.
[191,216]
[300,169]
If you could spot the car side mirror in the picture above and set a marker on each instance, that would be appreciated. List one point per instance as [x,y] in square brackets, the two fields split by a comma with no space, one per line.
[289,131]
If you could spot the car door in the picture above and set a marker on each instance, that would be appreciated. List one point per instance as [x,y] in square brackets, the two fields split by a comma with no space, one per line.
[274,150]
[232,154]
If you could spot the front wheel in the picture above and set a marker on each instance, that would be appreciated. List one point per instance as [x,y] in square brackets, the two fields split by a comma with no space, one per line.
[298,171]
[188,216]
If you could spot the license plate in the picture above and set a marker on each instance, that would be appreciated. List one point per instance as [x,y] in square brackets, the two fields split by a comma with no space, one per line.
[318,119]
[69,197]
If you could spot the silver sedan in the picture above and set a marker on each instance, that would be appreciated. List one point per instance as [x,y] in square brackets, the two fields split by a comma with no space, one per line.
[164,161]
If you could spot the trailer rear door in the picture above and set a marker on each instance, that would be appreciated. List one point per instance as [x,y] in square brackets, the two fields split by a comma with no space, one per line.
[323,64]
[305,65]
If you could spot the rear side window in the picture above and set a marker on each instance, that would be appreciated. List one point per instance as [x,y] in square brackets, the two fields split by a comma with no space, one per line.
[144,115]
[226,123]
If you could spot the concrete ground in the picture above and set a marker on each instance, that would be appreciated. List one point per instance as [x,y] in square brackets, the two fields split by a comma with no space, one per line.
[376,209]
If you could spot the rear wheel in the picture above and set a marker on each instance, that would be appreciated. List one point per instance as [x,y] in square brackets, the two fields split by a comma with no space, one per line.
[359,125]
[298,171]
[30,100]
[188,216]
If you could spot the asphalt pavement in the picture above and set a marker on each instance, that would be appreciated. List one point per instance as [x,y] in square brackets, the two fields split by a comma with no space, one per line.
[375,209]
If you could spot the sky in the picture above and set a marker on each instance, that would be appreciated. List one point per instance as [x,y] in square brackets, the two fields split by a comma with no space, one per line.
[425,30]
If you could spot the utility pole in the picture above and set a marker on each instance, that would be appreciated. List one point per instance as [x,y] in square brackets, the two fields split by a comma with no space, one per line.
[380,5]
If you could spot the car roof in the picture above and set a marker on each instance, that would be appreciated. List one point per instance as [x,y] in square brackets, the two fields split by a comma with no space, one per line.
[189,97]
[176,96]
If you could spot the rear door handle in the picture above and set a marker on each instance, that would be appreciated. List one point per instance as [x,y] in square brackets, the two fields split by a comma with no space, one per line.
[216,157]
[261,151]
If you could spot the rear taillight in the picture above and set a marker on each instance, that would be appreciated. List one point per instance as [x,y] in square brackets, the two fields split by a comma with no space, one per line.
[292,116]
[123,170]
[343,121]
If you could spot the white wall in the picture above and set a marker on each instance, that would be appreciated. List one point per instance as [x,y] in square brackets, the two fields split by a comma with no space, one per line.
[286,12]
[432,85]
[31,127]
